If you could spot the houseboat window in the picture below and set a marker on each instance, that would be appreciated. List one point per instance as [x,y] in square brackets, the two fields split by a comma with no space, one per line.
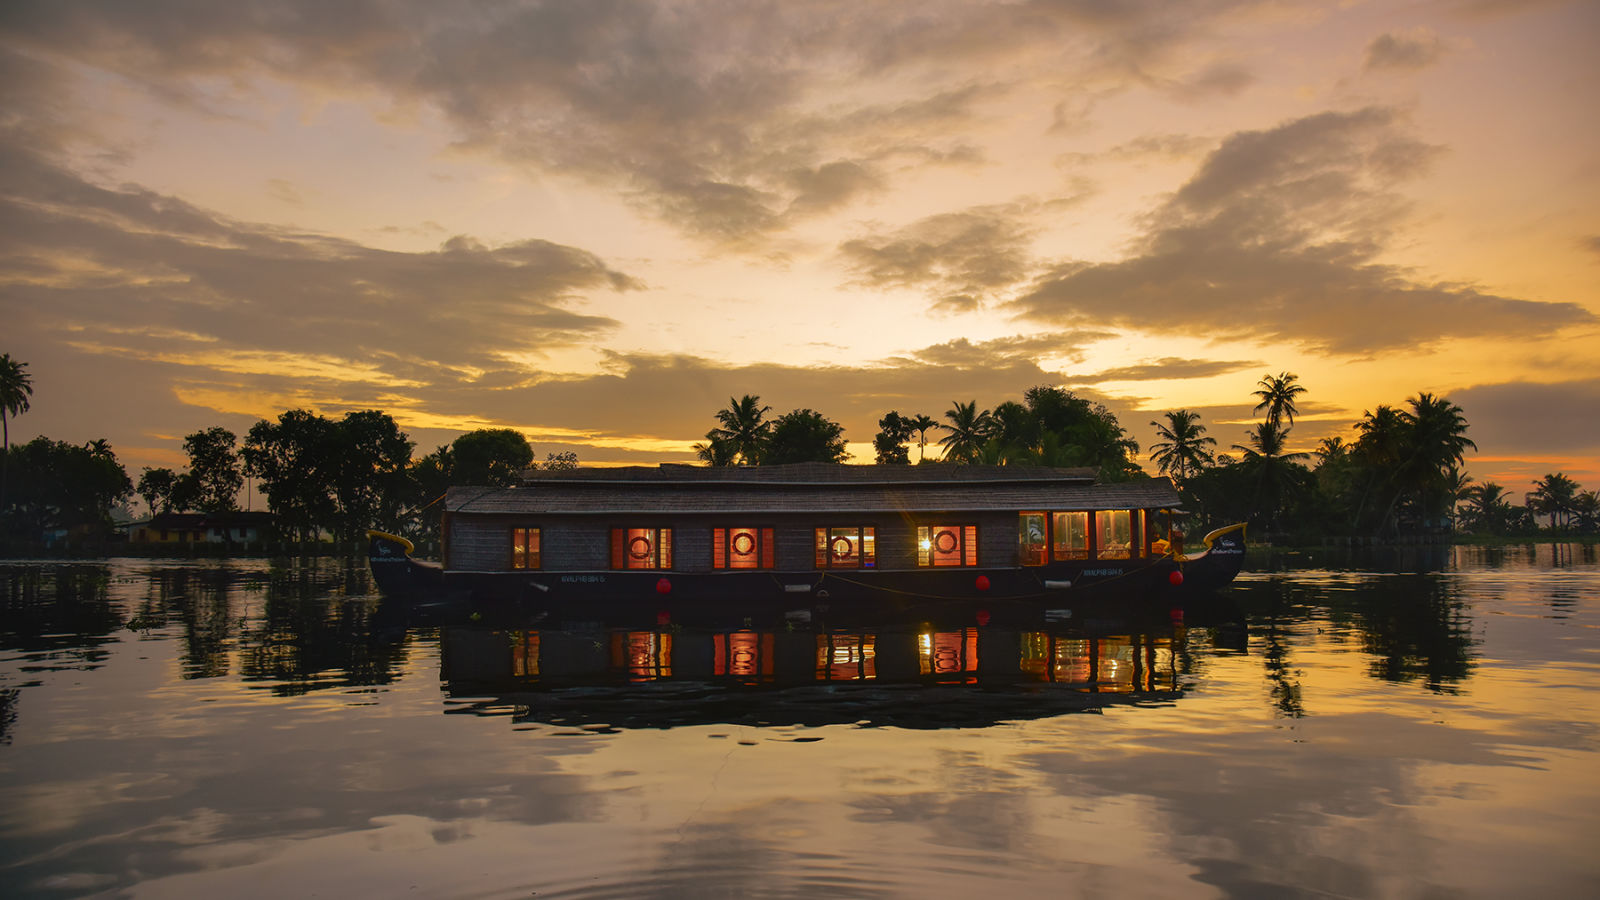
[742,548]
[1032,541]
[947,545]
[1116,534]
[524,548]
[641,548]
[846,548]
[1070,535]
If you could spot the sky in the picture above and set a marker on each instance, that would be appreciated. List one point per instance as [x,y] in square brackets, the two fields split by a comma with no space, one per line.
[596,222]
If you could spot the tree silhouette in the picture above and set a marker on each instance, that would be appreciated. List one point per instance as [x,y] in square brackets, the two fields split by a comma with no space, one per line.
[1182,451]
[1272,470]
[16,386]
[744,428]
[921,422]
[970,428]
[1554,495]
[1278,393]
[805,436]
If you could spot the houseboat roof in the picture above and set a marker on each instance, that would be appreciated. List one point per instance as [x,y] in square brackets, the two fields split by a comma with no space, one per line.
[808,488]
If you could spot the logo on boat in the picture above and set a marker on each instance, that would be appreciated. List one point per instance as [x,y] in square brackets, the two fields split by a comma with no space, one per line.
[583,579]
[1092,573]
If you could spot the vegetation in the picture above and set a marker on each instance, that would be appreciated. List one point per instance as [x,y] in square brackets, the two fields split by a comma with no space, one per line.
[1402,473]
[16,386]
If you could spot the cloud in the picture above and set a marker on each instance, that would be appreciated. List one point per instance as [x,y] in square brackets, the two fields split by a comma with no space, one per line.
[731,121]
[141,275]
[1406,51]
[1532,418]
[670,399]
[1276,237]
[962,258]
[1171,368]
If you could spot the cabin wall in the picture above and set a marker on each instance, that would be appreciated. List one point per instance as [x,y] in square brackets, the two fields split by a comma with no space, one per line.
[578,543]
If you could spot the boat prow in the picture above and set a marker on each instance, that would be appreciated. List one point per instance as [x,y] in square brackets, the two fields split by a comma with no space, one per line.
[1217,562]
[396,573]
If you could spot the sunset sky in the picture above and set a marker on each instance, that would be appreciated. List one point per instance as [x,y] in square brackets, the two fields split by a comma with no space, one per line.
[595,222]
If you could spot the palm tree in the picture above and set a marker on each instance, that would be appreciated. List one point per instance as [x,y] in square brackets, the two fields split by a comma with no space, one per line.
[969,429]
[1554,495]
[1277,395]
[745,428]
[1586,507]
[1437,435]
[16,386]
[1489,507]
[715,451]
[1271,468]
[920,423]
[1182,451]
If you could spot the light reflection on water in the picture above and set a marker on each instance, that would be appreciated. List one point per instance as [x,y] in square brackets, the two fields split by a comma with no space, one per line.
[1421,722]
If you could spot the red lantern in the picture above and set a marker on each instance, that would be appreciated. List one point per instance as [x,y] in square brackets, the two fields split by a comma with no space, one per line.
[983,617]
[663,586]
[1175,578]
[982,582]
[663,618]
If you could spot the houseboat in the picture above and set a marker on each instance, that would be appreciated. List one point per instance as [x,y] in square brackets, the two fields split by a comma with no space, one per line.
[809,541]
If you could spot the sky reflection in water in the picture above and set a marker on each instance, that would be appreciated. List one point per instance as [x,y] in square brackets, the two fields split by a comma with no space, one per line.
[248,729]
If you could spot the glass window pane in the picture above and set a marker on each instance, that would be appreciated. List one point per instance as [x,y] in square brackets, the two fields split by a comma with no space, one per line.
[1032,544]
[1070,535]
[1114,533]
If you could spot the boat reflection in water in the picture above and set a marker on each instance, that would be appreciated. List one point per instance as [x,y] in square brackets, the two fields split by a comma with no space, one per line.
[908,677]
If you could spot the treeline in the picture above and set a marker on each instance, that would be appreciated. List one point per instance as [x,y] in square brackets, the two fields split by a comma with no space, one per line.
[1402,473]
[322,478]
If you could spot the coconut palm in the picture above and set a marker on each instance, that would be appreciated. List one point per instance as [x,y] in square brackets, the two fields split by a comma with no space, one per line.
[1437,437]
[1182,451]
[1586,510]
[970,428]
[1277,395]
[1488,506]
[920,423]
[16,386]
[1554,495]
[744,428]
[1270,466]
[715,451]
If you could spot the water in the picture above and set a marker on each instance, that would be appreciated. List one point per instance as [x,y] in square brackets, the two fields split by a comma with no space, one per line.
[1410,727]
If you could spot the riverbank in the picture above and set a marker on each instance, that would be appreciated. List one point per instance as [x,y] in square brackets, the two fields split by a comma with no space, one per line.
[173,550]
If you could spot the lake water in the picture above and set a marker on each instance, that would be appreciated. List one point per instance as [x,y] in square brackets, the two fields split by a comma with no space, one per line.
[1422,726]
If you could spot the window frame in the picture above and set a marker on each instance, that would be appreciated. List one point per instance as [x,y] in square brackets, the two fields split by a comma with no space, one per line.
[1029,551]
[521,545]
[964,555]
[764,548]
[826,537]
[1133,549]
[659,541]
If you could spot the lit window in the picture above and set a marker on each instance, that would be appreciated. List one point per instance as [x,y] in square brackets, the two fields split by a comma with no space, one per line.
[742,548]
[641,548]
[1114,534]
[1033,544]
[524,548]
[1070,535]
[947,545]
[846,548]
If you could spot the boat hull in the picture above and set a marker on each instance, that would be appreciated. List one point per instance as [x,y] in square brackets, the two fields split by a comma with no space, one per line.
[1004,595]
